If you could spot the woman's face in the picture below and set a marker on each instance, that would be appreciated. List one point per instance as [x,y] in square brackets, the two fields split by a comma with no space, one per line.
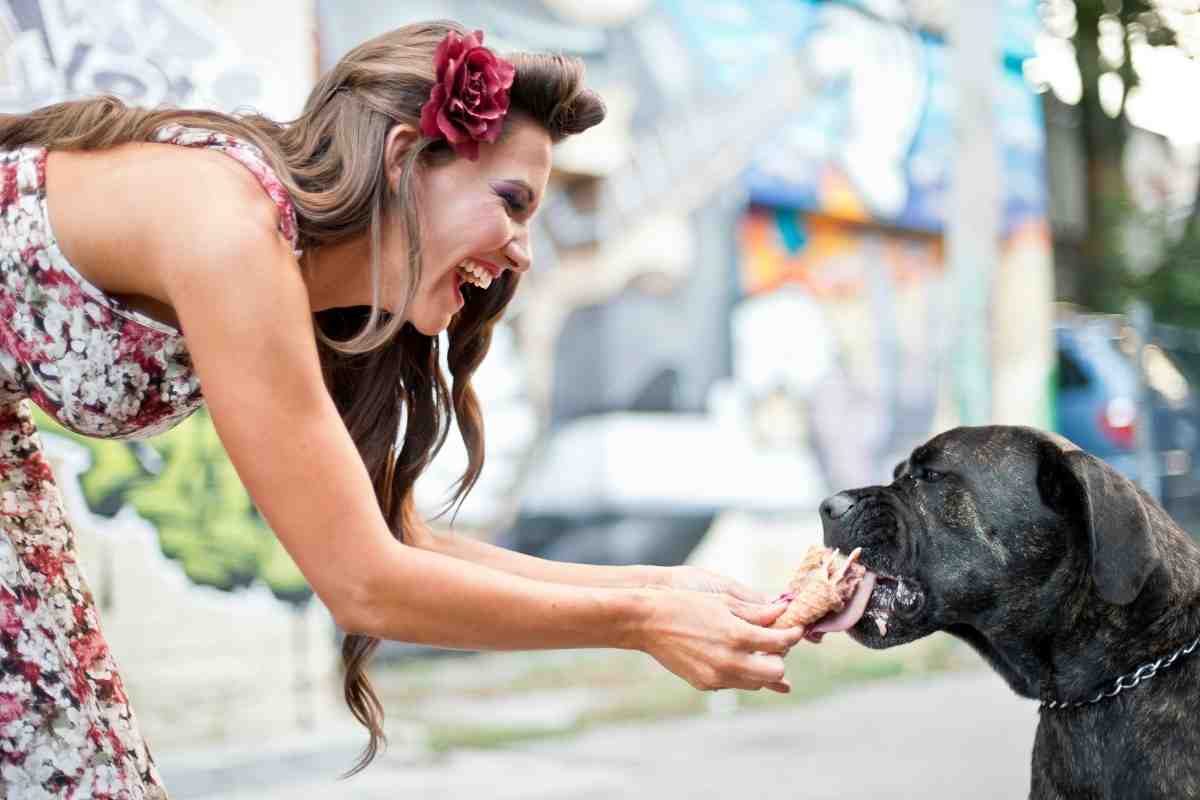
[475,219]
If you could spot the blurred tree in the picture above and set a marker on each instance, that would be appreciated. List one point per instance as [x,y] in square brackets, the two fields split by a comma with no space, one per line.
[1105,35]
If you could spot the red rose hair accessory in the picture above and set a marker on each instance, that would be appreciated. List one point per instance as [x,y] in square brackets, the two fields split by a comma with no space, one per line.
[470,95]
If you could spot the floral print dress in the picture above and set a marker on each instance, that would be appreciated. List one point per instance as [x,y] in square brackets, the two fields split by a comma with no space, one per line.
[102,369]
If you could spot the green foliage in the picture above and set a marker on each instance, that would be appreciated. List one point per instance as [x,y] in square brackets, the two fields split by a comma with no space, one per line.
[1110,281]
[1171,286]
[185,486]
[1173,290]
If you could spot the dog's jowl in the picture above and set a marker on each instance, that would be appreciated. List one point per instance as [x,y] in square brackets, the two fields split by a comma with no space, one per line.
[1075,586]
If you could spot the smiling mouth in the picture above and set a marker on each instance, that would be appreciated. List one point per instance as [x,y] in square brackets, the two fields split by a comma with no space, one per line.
[476,273]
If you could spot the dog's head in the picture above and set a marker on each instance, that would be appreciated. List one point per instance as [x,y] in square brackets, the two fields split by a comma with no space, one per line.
[985,531]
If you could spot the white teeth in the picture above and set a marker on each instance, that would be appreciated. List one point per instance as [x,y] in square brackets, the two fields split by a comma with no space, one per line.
[881,618]
[474,274]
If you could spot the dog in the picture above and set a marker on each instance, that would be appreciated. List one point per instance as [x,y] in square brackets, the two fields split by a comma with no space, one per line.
[1072,583]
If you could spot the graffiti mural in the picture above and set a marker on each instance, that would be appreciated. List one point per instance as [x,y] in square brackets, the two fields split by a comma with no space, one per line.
[150,53]
[147,52]
[845,325]
[706,327]
[183,484]
[841,325]
[876,144]
[849,207]
[773,335]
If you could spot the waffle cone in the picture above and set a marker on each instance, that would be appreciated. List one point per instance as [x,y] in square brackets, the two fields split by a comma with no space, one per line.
[822,585]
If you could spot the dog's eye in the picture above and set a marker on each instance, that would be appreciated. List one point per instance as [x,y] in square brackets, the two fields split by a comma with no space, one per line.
[930,475]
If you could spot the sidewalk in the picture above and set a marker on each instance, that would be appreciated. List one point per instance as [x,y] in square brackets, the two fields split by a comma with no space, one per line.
[953,736]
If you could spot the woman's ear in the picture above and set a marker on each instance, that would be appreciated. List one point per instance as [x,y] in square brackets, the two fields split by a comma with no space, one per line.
[399,138]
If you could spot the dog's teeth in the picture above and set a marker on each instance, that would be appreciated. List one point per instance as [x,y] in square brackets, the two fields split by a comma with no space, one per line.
[905,597]
[881,624]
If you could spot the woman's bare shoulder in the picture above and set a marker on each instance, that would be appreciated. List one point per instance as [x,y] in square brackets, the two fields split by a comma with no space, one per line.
[125,215]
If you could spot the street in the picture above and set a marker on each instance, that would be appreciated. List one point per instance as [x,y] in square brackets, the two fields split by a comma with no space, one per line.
[953,736]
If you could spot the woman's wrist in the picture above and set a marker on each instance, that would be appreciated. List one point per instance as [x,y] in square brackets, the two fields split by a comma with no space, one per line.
[652,577]
[633,612]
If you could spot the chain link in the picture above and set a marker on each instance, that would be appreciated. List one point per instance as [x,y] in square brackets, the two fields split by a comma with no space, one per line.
[1130,681]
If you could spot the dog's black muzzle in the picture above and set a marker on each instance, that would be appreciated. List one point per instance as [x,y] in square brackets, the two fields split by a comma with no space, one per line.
[874,520]
[868,518]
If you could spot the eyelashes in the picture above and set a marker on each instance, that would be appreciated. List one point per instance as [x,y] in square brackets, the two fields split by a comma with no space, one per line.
[517,199]
[512,202]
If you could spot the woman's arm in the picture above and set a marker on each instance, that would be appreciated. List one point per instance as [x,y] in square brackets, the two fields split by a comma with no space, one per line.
[542,569]
[712,641]
[244,309]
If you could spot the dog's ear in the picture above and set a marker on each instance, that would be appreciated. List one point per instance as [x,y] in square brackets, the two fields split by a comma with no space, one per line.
[1123,553]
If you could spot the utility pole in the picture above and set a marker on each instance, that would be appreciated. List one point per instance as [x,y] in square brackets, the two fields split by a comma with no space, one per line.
[974,213]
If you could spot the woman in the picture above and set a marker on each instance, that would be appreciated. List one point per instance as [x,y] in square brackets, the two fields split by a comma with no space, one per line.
[300,274]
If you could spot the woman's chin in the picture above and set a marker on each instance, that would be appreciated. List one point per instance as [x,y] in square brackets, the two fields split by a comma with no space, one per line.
[429,325]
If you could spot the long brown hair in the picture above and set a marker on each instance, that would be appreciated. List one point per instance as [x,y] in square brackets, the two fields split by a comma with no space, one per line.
[382,373]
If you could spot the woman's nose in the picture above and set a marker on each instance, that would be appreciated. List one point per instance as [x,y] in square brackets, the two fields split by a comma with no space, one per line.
[519,253]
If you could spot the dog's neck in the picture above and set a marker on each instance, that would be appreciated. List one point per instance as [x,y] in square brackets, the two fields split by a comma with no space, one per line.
[1076,667]
[1081,645]
[1097,642]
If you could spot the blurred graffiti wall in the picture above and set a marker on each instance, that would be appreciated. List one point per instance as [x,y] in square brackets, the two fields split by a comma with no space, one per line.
[849,210]
[712,328]
[206,614]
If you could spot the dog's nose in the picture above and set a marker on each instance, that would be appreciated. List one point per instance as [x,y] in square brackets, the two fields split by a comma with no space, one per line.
[837,506]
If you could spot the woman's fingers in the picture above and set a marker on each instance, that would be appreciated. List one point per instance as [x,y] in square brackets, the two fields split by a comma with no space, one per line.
[771,640]
[742,592]
[753,672]
[698,579]
[765,668]
[714,650]
[761,614]
[759,637]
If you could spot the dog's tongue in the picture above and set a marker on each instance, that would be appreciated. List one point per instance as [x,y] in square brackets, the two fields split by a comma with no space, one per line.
[846,619]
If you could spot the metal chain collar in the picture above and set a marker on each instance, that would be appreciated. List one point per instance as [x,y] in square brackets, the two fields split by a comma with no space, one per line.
[1129,681]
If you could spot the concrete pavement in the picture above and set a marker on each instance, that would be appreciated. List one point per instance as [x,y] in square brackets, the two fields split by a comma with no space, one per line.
[953,736]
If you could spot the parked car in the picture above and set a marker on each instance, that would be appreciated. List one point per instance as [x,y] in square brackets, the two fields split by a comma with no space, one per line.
[1097,407]
[644,488]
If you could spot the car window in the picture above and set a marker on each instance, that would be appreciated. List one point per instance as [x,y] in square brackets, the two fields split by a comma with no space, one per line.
[1160,369]
[1070,373]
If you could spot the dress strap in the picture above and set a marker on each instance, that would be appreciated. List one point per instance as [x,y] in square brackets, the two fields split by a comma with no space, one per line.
[252,158]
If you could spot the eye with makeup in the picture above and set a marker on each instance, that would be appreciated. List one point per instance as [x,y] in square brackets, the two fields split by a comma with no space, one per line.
[516,197]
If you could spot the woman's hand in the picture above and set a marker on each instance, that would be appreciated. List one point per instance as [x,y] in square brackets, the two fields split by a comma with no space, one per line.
[716,641]
[697,579]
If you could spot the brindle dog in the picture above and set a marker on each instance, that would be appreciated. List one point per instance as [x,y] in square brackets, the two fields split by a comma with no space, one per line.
[1065,577]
